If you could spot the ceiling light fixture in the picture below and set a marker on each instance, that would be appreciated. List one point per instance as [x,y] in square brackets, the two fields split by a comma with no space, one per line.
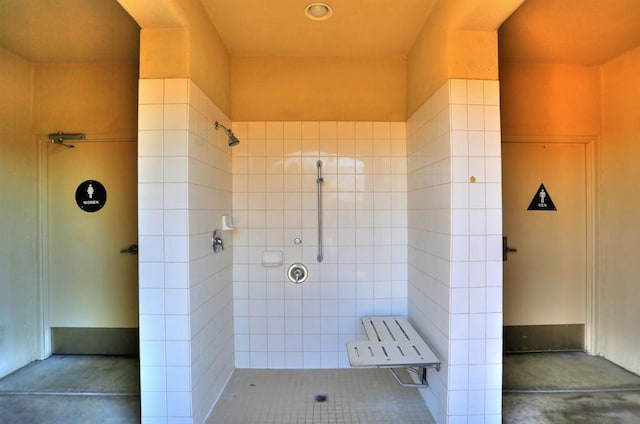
[318,11]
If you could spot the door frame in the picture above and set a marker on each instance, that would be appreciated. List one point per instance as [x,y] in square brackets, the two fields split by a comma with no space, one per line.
[592,299]
[44,323]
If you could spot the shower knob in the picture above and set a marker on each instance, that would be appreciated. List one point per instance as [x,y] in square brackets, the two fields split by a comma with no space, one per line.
[297,273]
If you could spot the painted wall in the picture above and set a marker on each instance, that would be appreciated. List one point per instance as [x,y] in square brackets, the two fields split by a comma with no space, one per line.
[454,246]
[318,88]
[186,318]
[182,42]
[550,100]
[19,304]
[97,99]
[284,325]
[457,41]
[618,202]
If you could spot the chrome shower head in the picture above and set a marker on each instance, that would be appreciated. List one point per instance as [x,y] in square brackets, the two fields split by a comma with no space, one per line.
[233,140]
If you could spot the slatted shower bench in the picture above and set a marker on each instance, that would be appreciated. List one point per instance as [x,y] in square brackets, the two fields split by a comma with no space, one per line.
[393,343]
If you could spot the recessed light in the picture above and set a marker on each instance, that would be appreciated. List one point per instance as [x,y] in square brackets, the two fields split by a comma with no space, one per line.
[318,11]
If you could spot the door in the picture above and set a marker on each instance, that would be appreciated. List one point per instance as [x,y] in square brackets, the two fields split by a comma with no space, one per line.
[545,281]
[93,290]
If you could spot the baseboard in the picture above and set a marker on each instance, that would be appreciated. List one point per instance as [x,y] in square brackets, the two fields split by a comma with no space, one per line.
[543,338]
[95,341]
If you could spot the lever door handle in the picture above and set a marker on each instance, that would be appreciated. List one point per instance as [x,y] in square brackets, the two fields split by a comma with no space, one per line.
[506,249]
[131,250]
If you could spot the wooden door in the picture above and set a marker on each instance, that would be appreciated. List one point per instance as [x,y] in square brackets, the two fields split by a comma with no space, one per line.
[545,280]
[93,287]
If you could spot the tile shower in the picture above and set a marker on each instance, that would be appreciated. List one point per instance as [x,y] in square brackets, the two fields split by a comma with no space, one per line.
[283,325]
[412,224]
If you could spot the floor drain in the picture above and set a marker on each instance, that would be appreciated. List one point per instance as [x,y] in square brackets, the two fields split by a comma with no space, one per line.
[321,398]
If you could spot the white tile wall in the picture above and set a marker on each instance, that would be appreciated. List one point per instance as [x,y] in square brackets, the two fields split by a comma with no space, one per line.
[186,330]
[454,259]
[283,325]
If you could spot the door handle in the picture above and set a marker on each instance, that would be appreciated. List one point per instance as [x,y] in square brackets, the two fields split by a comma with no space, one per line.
[506,249]
[131,250]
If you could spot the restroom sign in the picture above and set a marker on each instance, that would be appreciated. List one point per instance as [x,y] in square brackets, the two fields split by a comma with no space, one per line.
[91,196]
[541,201]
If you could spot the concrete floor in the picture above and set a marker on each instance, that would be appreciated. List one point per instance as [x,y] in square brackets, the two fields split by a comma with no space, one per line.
[568,387]
[540,388]
[72,389]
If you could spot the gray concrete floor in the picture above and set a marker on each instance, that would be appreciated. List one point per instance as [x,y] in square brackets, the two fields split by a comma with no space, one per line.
[72,389]
[568,387]
[540,388]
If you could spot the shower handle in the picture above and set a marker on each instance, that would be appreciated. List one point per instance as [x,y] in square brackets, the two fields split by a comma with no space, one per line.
[216,242]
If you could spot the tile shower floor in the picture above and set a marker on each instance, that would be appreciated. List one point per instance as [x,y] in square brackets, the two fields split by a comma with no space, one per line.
[341,396]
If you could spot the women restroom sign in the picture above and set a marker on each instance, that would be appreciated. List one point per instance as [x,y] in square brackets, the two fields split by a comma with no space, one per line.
[541,201]
[91,196]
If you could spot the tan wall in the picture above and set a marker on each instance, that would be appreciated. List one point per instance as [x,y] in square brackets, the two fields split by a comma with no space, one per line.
[164,53]
[193,50]
[550,100]
[619,204]
[443,51]
[209,61]
[427,62]
[97,99]
[453,44]
[473,55]
[318,88]
[18,226]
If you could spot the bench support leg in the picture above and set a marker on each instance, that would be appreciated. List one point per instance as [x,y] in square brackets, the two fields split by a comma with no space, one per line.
[420,372]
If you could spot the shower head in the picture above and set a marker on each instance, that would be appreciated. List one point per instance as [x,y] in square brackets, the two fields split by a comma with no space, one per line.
[233,140]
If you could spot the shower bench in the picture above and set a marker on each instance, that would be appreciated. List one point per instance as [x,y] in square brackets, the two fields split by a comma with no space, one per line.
[393,343]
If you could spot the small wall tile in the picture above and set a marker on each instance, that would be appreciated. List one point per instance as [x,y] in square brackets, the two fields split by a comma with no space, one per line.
[151,117]
[176,90]
[150,91]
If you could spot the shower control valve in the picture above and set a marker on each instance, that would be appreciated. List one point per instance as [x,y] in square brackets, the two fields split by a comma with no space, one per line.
[216,242]
[297,273]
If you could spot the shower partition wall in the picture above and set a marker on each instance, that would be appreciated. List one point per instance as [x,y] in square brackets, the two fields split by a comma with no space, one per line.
[455,246]
[186,292]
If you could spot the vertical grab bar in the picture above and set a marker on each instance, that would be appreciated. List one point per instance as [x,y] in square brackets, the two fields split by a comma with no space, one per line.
[319,181]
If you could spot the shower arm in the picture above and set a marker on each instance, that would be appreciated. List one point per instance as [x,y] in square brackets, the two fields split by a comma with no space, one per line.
[319,181]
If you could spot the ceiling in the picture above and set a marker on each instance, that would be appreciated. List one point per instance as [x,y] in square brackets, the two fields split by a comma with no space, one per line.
[541,31]
[356,28]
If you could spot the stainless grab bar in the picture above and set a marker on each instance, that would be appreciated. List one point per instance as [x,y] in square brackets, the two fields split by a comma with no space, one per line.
[319,181]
